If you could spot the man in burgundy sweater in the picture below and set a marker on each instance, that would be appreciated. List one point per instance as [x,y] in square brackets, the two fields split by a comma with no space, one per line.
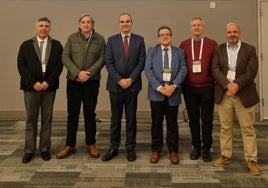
[198,89]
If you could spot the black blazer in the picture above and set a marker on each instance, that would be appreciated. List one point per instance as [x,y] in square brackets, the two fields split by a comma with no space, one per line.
[29,64]
[119,66]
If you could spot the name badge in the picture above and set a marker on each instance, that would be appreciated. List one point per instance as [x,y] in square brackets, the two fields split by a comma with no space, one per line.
[166,75]
[231,75]
[196,66]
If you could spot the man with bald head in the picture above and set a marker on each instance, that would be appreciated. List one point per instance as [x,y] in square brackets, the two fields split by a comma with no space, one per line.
[234,67]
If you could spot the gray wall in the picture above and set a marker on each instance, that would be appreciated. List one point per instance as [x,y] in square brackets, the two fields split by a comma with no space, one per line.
[17,18]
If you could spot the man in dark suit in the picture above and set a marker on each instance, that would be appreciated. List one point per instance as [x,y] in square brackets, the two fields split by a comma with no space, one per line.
[165,69]
[124,61]
[234,67]
[39,65]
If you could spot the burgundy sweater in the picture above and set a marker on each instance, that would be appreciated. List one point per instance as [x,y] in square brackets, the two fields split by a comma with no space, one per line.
[204,78]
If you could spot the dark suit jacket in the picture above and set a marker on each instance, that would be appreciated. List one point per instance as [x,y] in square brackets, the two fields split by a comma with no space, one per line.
[119,66]
[154,69]
[29,64]
[246,71]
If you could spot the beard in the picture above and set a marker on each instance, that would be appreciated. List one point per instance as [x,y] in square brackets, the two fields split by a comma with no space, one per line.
[233,40]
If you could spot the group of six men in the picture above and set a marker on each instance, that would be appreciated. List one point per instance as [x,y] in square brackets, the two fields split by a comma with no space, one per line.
[200,69]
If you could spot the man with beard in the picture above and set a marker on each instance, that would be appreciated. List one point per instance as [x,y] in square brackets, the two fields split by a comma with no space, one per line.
[234,67]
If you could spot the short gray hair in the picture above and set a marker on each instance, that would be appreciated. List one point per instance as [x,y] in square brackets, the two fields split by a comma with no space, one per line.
[85,15]
[197,18]
[43,19]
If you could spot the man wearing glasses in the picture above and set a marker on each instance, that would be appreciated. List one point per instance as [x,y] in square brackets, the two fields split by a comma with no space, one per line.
[165,69]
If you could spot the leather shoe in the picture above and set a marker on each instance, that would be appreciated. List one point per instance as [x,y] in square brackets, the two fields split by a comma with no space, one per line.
[68,150]
[109,154]
[131,156]
[206,155]
[194,155]
[27,157]
[154,157]
[46,155]
[93,151]
[174,158]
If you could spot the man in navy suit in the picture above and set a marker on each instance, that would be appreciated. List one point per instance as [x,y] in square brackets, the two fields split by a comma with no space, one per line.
[124,61]
[165,69]
[39,65]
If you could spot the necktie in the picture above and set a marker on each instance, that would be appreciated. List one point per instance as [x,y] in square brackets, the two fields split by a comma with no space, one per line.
[41,49]
[43,64]
[166,61]
[126,45]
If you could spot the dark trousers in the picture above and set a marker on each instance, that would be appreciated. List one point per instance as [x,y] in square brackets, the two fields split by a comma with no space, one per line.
[86,93]
[200,103]
[159,109]
[125,100]
[34,101]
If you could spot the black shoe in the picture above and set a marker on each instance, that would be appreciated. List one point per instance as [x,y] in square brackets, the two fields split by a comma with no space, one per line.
[194,155]
[46,155]
[27,157]
[206,155]
[110,154]
[131,156]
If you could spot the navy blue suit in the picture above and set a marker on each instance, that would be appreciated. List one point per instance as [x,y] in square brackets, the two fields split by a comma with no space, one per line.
[162,105]
[120,66]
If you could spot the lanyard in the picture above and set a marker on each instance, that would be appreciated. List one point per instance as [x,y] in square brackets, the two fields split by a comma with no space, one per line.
[201,49]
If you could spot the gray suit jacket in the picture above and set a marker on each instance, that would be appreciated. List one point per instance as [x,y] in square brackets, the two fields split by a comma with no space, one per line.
[246,71]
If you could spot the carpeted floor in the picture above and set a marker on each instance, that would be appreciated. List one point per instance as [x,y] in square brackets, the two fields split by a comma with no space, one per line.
[80,170]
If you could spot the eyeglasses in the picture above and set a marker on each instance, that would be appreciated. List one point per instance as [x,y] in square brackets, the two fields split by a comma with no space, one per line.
[165,35]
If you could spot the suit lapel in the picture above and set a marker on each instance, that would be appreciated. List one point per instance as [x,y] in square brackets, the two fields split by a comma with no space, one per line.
[239,55]
[48,48]
[131,44]
[121,45]
[225,54]
[36,48]
[159,59]
[173,58]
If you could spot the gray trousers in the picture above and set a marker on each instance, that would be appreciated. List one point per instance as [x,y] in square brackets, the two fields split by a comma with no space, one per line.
[34,101]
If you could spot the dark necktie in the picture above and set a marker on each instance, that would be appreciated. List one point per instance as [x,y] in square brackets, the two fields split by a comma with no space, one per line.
[166,61]
[126,45]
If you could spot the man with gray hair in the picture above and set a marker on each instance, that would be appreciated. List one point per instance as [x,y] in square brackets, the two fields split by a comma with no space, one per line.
[83,57]
[198,89]
[39,65]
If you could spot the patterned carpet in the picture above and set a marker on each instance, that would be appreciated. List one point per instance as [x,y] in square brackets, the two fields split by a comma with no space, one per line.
[80,170]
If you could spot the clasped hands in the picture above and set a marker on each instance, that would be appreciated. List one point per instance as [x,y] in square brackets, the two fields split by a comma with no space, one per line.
[40,86]
[83,76]
[125,82]
[232,89]
[167,90]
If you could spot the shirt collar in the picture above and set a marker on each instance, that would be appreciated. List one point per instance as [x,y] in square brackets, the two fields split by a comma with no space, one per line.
[39,40]
[237,46]
[163,47]
[123,35]
[198,39]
